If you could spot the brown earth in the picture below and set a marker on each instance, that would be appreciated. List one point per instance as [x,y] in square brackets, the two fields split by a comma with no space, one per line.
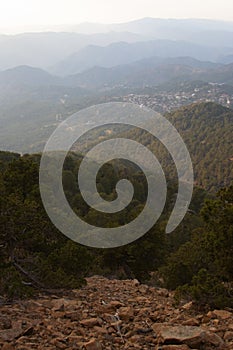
[112,314]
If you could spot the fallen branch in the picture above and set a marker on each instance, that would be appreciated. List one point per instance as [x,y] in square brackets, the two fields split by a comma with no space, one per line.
[34,282]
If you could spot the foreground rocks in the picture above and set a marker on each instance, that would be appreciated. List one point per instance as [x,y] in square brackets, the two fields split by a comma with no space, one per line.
[112,314]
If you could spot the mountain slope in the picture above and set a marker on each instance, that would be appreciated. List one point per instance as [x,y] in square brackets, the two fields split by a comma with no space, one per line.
[207,130]
[27,76]
[124,53]
[149,71]
[45,49]
[220,75]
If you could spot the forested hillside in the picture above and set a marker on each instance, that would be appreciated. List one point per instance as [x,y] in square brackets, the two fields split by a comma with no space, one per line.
[207,130]
[196,258]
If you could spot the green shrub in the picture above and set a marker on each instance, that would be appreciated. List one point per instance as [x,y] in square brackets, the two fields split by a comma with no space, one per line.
[12,285]
[206,289]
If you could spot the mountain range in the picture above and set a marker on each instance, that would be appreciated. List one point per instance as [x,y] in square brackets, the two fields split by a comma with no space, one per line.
[124,53]
[178,29]
[151,71]
[48,48]
[87,43]
[51,75]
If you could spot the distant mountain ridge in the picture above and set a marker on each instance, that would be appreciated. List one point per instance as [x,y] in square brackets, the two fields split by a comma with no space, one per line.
[200,31]
[125,53]
[46,49]
[152,71]
[149,25]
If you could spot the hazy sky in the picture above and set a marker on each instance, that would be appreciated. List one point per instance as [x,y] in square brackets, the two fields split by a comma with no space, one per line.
[23,15]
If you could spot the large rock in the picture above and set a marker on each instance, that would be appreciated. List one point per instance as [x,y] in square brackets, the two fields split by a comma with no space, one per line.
[11,334]
[223,314]
[15,333]
[189,335]
[93,344]
[191,322]
[90,322]
[188,306]
[126,313]
[214,339]
[228,336]
[8,347]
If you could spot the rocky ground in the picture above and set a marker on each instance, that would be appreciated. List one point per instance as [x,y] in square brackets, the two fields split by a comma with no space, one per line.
[111,314]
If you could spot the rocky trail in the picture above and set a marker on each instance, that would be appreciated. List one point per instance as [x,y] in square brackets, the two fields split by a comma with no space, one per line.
[112,314]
